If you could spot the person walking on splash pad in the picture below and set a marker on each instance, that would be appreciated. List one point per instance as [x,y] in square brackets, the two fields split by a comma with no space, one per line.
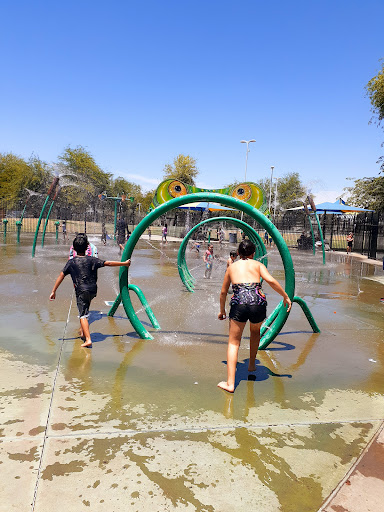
[208,260]
[83,271]
[164,233]
[121,228]
[247,303]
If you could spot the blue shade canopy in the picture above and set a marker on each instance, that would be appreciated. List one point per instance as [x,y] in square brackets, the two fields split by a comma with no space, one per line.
[338,207]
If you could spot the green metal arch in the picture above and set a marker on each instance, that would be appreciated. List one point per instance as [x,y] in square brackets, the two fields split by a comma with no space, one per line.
[260,254]
[280,312]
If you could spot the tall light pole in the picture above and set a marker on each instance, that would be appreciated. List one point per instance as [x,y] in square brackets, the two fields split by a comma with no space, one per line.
[247,142]
[270,190]
[274,210]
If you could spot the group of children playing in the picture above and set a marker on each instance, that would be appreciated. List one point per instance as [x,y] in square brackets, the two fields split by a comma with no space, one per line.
[247,303]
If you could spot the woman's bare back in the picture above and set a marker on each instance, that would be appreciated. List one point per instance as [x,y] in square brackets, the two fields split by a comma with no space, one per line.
[245,271]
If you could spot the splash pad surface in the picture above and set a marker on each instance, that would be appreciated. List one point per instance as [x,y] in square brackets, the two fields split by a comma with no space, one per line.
[141,423]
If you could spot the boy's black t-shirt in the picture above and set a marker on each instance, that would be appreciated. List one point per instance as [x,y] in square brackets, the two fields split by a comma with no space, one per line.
[83,270]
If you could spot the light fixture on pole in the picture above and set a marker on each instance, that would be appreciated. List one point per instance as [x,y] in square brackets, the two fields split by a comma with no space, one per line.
[247,142]
[270,190]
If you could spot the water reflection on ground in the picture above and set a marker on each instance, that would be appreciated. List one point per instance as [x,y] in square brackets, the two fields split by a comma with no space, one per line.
[313,396]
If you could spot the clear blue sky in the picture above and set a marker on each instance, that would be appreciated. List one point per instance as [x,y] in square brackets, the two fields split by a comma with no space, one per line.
[137,83]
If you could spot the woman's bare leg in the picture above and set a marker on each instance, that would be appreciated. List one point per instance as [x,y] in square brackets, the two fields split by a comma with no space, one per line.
[254,345]
[235,331]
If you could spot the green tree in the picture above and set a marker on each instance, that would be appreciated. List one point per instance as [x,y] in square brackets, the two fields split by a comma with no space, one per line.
[16,175]
[85,174]
[183,169]
[119,186]
[146,200]
[367,193]
[375,92]
[290,191]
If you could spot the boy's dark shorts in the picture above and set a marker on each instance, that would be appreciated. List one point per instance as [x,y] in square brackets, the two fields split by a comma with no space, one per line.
[252,312]
[83,300]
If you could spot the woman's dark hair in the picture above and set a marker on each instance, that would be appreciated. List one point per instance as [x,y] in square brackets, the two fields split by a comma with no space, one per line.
[246,248]
[233,253]
[80,243]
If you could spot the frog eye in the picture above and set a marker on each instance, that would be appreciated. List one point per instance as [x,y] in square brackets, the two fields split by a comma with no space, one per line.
[177,188]
[167,190]
[242,191]
[249,193]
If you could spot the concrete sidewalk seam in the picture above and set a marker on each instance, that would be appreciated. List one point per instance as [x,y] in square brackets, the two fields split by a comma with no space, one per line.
[352,468]
[50,408]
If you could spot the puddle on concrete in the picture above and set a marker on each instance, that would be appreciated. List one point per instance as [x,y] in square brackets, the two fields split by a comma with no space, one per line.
[189,440]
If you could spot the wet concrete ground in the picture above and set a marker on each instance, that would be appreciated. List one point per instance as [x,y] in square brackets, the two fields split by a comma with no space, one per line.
[141,425]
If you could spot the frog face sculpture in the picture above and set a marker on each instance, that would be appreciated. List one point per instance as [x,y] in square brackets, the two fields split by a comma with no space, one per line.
[249,192]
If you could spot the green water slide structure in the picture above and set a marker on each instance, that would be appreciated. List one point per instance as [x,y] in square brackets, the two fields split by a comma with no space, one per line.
[260,254]
[274,322]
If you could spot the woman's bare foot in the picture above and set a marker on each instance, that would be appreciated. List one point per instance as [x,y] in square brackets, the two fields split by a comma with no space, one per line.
[87,344]
[224,385]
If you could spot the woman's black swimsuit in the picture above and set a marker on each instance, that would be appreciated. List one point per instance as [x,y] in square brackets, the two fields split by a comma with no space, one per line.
[248,303]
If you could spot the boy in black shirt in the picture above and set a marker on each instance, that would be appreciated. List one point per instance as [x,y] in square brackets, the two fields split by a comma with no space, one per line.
[83,270]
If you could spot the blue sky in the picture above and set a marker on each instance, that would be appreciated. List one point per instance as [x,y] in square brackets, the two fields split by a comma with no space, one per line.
[139,83]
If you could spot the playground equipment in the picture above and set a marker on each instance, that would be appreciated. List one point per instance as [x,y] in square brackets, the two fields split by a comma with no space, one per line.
[57,224]
[275,321]
[313,206]
[48,214]
[51,192]
[5,222]
[117,199]
[260,254]
[248,192]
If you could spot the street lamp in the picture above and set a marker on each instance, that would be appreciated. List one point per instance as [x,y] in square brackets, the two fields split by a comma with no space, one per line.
[247,142]
[274,210]
[270,190]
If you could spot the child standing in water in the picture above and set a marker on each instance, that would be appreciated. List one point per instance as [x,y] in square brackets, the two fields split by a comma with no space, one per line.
[83,270]
[247,303]
[208,260]
[232,257]
[164,233]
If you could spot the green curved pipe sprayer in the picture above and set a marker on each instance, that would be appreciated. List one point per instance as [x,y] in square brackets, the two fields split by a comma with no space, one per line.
[144,303]
[18,226]
[57,224]
[5,222]
[312,234]
[289,272]
[46,224]
[321,236]
[38,226]
[186,277]
[22,213]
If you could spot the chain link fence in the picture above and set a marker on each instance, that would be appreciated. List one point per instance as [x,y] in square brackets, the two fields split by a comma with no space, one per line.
[367,227]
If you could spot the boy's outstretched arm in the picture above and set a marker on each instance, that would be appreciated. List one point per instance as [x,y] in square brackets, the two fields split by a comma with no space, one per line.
[59,280]
[117,263]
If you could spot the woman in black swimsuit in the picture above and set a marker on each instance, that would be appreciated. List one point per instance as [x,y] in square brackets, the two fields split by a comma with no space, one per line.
[247,303]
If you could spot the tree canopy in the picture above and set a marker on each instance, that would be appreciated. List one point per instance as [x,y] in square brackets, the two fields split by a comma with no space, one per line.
[17,175]
[367,193]
[375,92]
[183,169]
[290,190]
